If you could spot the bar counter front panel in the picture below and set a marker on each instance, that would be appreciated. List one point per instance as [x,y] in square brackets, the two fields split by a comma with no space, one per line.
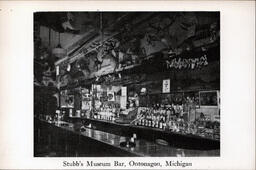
[175,139]
[64,141]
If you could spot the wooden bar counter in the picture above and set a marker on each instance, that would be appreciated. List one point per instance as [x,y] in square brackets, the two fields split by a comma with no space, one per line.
[65,141]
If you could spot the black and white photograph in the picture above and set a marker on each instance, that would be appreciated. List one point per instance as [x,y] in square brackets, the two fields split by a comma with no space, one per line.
[127,84]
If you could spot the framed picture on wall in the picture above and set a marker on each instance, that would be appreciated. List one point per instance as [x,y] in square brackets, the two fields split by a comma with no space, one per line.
[70,101]
[208,98]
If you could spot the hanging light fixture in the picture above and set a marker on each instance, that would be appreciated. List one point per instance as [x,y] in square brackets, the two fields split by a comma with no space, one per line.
[59,51]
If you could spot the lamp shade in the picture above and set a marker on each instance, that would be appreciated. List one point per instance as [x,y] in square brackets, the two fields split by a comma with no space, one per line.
[59,52]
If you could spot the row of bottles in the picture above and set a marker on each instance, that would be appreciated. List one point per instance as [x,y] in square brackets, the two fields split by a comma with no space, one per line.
[169,120]
[107,111]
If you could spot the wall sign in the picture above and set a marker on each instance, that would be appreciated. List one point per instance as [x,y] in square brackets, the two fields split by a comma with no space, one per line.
[190,63]
[166,86]
[124,91]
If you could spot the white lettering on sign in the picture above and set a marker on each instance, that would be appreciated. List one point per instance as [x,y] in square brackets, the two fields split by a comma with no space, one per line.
[180,63]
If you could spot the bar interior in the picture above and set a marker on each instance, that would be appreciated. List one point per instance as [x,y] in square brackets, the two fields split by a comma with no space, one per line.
[143,84]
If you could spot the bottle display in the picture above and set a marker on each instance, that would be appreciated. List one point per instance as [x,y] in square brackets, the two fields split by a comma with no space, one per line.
[174,119]
[108,112]
[174,112]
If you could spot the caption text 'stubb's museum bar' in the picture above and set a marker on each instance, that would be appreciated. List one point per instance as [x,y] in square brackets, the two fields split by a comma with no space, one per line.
[126,84]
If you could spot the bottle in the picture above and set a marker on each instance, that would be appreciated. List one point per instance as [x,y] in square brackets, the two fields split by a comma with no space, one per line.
[153,124]
[164,125]
[170,125]
[161,124]
[134,136]
[149,123]
[139,122]
[156,125]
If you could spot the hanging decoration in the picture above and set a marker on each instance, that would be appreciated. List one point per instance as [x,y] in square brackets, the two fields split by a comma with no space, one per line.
[59,52]
[114,53]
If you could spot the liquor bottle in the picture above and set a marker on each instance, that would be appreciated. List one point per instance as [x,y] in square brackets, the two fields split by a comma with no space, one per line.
[177,127]
[156,125]
[149,123]
[139,122]
[165,116]
[152,123]
[158,117]
[170,125]
[135,123]
[164,125]
[161,124]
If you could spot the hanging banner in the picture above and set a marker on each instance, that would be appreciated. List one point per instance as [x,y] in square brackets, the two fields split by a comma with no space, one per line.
[166,86]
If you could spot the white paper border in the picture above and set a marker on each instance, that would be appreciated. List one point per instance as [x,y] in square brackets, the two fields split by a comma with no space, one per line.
[237,80]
